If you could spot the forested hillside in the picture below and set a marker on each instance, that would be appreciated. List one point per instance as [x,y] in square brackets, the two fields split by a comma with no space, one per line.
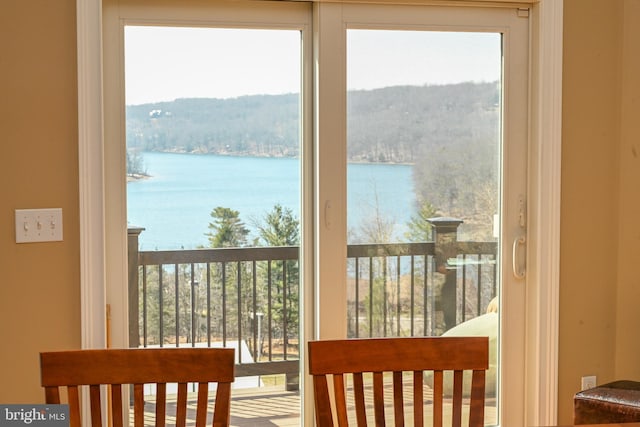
[250,125]
[394,124]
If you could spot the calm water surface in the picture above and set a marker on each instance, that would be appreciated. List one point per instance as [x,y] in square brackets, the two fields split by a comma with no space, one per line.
[174,205]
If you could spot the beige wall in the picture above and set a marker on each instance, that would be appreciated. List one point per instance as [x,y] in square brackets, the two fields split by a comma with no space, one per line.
[39,292]
[628,313]
[39,284]
[600,235]
[589,219]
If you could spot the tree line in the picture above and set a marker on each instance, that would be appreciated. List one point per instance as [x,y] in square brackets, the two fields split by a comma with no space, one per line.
[396,124]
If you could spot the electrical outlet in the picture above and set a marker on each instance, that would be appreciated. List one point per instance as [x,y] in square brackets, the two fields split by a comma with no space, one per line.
[588,382]
[38,225]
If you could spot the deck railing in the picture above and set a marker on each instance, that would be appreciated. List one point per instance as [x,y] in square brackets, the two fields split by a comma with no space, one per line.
[399,289]
[248,297]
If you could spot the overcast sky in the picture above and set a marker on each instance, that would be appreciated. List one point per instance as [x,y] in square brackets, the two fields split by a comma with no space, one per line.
[164,63]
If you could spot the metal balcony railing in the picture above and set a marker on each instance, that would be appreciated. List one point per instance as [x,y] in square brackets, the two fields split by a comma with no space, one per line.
[248,297]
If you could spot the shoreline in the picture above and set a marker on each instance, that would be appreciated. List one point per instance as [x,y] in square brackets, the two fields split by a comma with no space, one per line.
[133,177]
[256,155]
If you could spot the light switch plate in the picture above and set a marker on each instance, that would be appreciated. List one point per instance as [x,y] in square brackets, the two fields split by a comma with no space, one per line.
[38,225]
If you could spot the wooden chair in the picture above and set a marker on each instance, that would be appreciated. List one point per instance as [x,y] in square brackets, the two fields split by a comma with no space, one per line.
[119,368]
[340,359]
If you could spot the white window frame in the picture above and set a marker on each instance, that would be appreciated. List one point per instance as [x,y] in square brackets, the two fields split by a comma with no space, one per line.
[543,207]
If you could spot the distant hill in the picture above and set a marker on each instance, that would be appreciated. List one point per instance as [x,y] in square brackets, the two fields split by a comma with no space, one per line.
[258,125]
[394,124]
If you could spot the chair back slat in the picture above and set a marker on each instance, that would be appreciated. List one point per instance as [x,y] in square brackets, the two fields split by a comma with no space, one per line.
[137,367]
[323,405]
[96,405]
[116,405]
[378,398]
[438,379]
[340,398]
[395,357]
[52,395]
[358,390]
[138,404]
[398,401]
[181,410]
[73,396]
[221,414]
[161,403]
[476,412]
[201,408]
[457,398]
[418,398]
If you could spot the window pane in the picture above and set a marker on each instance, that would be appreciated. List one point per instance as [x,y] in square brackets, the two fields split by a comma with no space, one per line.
[423,147]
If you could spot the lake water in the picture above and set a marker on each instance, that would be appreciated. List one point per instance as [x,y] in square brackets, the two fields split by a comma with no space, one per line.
[174,205]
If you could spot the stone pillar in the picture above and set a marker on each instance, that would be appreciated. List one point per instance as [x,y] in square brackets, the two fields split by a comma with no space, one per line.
[445,238]
[134,320]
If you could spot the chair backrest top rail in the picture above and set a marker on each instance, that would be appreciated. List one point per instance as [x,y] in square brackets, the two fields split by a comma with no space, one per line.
[359,355]
[175,366]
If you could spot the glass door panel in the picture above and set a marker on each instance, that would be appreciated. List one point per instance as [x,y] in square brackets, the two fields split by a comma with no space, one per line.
[213,137]
[424,140]
[423,146]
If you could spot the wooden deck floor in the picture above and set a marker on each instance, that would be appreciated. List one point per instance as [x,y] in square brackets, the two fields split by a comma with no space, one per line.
[267,406]
[263,406]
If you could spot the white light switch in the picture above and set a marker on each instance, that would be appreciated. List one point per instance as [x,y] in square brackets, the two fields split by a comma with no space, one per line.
[38,225]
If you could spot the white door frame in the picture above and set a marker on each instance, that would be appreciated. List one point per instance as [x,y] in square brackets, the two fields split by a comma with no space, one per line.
[543,208]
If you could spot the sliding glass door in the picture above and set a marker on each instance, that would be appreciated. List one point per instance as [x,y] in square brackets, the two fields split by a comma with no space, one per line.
[289,171]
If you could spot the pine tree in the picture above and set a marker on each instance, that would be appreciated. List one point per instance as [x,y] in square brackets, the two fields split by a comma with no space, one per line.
[280,227]
[226,230]
[419,228]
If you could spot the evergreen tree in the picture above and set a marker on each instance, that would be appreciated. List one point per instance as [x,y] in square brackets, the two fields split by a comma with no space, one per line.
[280,228]
[226,230]
[419,229]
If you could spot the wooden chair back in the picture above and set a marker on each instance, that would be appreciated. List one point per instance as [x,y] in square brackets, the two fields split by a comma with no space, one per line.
[119,368]
[397,358]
